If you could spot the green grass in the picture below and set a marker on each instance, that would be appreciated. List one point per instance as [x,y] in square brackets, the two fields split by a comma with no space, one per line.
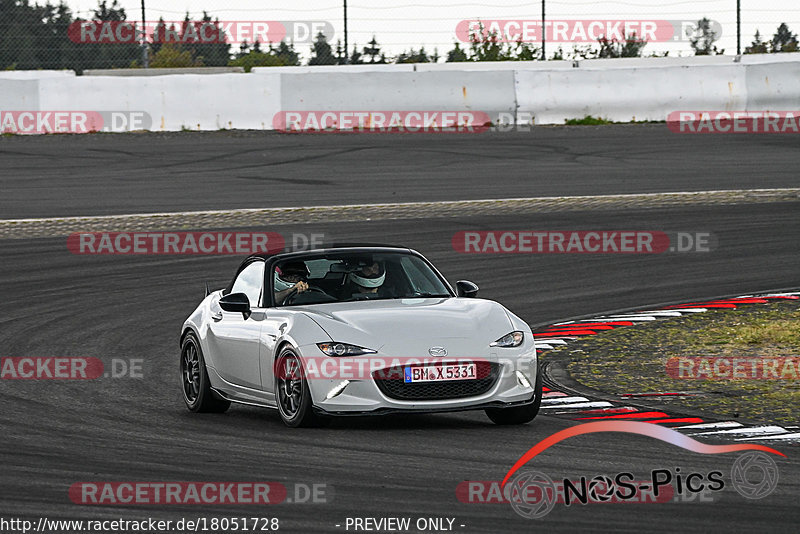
[633,359]
[588,120]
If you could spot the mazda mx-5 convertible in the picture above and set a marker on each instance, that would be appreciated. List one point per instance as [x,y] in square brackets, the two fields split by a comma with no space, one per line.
[356,330]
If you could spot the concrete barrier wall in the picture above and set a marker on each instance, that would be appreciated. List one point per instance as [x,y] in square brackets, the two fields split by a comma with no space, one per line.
[635,94]
[187,101]
[773,87]
[619,90]
[35,74]
[19,95]
[489,92]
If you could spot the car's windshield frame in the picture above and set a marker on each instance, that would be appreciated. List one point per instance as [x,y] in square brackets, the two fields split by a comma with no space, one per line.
[333,254]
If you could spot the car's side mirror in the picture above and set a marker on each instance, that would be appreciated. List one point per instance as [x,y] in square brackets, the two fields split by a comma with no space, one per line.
[465,288]
[236,302]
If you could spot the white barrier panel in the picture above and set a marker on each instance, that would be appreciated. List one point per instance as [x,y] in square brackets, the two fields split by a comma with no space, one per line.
[657,62]
[19,95]
[189,101]
[241,101]
[418,67]
[751,59]
[773,87]
[629,94]
[35,74]
[494,66]
[339,69]
[489,92]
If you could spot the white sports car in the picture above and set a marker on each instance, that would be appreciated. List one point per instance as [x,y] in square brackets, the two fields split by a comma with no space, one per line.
[356,330]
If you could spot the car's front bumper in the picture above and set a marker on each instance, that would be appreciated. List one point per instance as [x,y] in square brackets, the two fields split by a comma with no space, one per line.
[362,395]
[390,411]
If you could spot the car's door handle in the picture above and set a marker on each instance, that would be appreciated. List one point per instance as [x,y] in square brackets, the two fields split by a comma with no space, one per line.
[217,316]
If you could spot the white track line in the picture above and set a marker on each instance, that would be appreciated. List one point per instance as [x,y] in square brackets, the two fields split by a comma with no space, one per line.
[601,404]
[753,430]
[794,435]
[703,426]
[295,209]
[565,399]
[626,318]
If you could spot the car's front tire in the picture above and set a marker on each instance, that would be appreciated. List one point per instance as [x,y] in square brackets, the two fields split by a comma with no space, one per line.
[196,387]
[292,393]
[519,415]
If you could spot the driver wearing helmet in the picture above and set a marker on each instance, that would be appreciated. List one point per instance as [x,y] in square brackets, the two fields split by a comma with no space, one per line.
[289,277]
[369,278]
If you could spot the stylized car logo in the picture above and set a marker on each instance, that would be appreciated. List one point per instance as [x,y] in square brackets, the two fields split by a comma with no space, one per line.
[437,352]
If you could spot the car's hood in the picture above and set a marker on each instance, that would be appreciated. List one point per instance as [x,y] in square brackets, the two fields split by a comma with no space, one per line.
[409,327]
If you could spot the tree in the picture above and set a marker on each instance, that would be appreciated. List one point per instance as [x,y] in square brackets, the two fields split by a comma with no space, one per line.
[355,57]
[373,51]
[321,52]
[215,53]
[632,47]
[159,35]
[486,46]
[784,40]
[113,13]
[457,55]
[286,53]
[249,57]
[413,56]
[522,51]
[703,41]
[341,53]
[757,46]
[172,56]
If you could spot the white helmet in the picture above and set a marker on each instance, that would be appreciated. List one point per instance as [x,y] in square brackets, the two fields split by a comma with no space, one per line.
[371,280]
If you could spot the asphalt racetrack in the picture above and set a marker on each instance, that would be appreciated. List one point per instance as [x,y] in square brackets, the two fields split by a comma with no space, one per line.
[63,175]
[57,433]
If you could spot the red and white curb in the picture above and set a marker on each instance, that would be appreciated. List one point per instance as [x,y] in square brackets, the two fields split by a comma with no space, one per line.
[585,409]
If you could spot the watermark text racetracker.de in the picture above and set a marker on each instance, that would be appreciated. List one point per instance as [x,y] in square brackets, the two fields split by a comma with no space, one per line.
[734,368]
[145,493]
[73,121]
[68,368]
[734,122]
[376,367]
[239,243]
[580,30]
[405,121]
[381,121]
[198,31]
[581,242]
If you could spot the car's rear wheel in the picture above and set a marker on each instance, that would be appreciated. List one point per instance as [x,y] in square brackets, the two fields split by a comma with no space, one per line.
[196,387]
[519,415]
[292,393]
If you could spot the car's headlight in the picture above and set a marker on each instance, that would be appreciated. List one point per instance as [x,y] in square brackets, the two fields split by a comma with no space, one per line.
[512,339]
[343,349]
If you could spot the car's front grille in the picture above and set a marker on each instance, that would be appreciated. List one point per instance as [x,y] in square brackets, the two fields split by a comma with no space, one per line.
[390,382]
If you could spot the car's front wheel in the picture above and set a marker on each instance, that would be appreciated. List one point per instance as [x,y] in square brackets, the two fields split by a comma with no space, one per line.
[292,393]
[197,392]
[519,415]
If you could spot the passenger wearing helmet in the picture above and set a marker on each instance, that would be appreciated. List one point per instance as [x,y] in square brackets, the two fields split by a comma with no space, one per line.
[289,277]
[368,278]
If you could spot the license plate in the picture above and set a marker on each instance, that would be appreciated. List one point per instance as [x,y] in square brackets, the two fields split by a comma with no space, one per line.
[440,373]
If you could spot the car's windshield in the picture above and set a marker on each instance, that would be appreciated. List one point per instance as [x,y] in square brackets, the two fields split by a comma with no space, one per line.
[348,277]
